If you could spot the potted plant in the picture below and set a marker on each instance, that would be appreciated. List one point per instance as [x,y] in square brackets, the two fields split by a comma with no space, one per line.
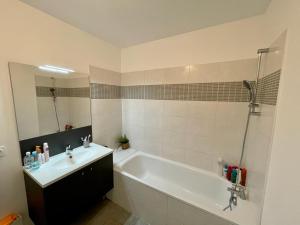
[124,142]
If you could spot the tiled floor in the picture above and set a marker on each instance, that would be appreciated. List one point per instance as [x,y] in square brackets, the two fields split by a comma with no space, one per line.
[105,213]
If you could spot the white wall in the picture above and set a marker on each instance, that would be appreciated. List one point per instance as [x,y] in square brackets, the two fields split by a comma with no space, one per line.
[227,42]
[32,37]
[282,194]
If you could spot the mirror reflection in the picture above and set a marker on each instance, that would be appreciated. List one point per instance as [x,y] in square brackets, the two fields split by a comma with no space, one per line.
[49,101]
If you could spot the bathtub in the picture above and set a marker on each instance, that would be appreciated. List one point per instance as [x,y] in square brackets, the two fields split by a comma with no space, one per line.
[165,192]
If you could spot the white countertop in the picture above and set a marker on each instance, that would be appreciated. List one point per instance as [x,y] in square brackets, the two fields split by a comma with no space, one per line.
[60,166]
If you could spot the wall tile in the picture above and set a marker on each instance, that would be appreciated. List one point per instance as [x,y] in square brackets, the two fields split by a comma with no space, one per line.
[102,76]
[223,71]
[175,108]
[155,77]
[133,78]
[200,160]
[176,75]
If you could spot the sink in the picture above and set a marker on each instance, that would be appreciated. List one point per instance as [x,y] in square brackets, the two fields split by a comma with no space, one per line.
[64,163]
[78,157]
[60,165]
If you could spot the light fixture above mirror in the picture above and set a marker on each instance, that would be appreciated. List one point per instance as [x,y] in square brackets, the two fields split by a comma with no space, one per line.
[56,69]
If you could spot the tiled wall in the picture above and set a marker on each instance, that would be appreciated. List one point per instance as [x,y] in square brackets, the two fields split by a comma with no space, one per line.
[191,114]
[106,106]
[83,92]
[105,91]
[214,91]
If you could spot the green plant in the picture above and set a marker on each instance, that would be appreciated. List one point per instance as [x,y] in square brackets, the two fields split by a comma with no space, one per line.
[123,139]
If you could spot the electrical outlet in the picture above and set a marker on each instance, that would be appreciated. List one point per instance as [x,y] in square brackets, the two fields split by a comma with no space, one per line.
[2,150]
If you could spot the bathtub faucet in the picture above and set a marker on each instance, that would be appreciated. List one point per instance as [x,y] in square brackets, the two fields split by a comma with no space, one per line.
[235,191]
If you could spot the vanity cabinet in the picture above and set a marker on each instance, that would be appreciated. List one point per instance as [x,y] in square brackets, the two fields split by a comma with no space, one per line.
[62,201]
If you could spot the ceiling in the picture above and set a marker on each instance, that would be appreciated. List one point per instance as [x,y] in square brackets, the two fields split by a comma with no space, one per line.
[130,22]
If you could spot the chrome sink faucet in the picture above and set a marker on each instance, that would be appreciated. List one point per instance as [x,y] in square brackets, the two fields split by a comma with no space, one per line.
[69,150]
[86,141]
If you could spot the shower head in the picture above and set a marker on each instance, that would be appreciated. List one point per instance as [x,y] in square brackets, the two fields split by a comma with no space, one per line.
[52,90]
[247,84]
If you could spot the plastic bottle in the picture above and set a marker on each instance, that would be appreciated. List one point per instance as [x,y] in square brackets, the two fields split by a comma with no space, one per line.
[220,166]
[225,169]
[35,163]
[46,151]
[43,158]
[40,158]
[234,176]
[27,160]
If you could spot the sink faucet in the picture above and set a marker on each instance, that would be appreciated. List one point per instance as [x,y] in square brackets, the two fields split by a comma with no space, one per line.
[69,150]
[86,141]
[236,191]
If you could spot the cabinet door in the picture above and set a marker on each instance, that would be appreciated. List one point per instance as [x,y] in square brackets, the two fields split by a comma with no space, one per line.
[100,178]
[66,198]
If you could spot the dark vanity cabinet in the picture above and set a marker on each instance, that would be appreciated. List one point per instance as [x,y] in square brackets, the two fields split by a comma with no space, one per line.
[62,201]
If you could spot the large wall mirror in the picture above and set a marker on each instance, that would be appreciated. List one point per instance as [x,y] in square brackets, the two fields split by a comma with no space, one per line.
[48,100]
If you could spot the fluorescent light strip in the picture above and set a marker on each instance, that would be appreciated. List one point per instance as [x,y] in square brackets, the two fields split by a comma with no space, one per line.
[56,69]
[60,68]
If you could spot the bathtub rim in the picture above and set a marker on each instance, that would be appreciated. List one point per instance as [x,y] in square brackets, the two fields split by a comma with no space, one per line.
[236,216]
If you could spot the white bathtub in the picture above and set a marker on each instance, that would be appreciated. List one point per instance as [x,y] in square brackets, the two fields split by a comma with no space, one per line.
[147,184]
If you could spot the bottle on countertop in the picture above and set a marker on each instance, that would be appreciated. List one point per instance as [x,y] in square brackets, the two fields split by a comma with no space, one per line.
[234,177]
[41,158]
[38,149]
[220,166]
[46,151]
[35,163]
[27,160]
[225,169]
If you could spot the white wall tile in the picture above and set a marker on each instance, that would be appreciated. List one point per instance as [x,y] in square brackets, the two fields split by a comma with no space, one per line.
[106,121]
[177,75]
[154,77]
[175,108]
[223,71]
[102,76]
[200,160]
[133,78]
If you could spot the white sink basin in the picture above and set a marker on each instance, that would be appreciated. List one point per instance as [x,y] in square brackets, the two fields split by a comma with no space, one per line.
[77,156]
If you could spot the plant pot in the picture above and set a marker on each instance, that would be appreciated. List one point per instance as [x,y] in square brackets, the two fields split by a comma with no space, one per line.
[125,146]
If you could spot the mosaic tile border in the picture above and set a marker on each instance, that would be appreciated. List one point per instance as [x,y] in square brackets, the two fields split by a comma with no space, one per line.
[82,92]
[105,91]
[214,91]
[268,88]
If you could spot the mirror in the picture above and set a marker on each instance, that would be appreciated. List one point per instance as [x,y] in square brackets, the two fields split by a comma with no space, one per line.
[49,102]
